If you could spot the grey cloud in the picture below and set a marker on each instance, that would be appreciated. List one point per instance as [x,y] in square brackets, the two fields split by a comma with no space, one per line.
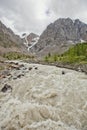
[31,16]
[68,8]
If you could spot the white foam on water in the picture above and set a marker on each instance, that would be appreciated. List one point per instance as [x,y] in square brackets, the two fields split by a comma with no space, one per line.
[45,100]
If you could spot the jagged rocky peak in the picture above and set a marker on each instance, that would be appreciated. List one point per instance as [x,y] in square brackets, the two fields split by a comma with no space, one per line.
[58,36]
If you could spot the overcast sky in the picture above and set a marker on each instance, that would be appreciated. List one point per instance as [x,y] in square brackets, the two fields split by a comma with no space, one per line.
[34,15]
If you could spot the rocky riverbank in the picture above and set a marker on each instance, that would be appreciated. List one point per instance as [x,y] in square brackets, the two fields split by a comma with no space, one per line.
[8,66]
[76,67]
[13,70]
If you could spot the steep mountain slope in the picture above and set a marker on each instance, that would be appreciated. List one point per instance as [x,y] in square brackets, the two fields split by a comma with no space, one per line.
[75,55]
[9,41]
[61,34]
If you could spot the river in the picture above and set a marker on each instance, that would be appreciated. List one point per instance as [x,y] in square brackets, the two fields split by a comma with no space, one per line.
[44,99]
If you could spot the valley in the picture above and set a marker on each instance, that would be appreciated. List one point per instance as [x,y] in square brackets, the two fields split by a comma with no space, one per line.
[43,79]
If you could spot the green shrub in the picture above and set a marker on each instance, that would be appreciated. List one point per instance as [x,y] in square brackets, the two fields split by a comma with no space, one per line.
[76,54]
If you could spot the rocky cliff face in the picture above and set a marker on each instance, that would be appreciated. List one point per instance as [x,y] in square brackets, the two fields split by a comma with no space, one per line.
[30,40]
[61,34]
[31,37]
[9,41]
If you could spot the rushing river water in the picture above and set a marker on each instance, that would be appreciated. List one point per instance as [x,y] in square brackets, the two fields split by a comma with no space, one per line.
[44,99]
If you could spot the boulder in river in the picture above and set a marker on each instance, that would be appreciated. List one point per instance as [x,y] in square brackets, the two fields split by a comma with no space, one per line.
[6,88]
[63,72]
[30,68]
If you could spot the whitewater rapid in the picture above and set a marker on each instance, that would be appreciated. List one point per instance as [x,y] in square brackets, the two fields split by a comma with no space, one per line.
[44,99]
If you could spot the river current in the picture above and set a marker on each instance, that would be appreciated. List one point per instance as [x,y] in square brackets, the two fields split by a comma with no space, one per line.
[45,99]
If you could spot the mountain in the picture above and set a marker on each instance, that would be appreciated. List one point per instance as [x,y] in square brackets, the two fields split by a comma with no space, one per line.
[31,37]
[60,35]
[9,41]
[30,40]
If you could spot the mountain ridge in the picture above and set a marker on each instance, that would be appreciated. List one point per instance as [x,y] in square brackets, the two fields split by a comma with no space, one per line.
[9,41]
[60,35]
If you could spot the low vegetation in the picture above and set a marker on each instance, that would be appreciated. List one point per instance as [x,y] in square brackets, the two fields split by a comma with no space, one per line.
[16,55]
[76,54]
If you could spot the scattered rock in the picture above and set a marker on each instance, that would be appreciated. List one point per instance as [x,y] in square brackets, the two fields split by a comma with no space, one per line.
[11,63]
[6,88]
[22,65]
[20,75]
[13,66]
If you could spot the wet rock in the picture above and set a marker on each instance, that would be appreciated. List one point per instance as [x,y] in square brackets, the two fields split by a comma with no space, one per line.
[6,88]
[13,66]
[63,72]
[20,75]
[30,68]
[36,68]
[22,65]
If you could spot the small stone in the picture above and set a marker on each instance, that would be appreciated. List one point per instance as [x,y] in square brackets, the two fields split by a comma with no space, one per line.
[30,68]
